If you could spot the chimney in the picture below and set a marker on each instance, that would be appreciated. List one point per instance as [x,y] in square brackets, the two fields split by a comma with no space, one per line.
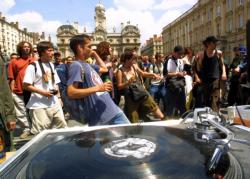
[122,25]
[76,26]
[1,15]
[43,35]
[17,25]
[160,38]
[25,29]
[155,36]
[84,29]
[49,38]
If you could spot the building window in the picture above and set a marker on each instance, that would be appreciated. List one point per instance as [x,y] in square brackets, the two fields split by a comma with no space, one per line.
[135,40]
[230,25]
[229,4]
[218,29]
[127,40]
[218,11]
[241,21]
[209,16]
[63,41]
[240,2]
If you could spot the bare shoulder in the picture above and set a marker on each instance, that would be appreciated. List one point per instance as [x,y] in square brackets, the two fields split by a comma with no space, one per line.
[199,55]
[219,53]
[136,66]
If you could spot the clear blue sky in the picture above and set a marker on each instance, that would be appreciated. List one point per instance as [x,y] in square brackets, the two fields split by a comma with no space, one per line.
[48,15]
[63,10]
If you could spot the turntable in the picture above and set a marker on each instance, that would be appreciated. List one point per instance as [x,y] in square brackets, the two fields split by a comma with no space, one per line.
[150,150]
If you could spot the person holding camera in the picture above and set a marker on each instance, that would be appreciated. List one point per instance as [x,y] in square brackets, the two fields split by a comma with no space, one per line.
[175,83]
[41,80]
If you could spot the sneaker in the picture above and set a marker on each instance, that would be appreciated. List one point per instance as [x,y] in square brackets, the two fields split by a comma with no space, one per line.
[24,135]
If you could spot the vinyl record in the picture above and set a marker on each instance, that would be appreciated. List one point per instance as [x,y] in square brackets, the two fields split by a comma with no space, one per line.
[123,152]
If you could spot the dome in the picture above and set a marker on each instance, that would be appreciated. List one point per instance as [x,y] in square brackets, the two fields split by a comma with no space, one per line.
[130,28]
[100,6]
[66,28]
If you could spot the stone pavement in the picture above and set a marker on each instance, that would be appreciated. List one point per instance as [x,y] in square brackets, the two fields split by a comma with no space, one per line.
[20,142]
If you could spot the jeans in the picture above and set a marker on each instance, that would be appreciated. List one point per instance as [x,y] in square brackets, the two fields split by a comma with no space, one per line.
[154,91]
[176,100]
[157,92]
[120,118]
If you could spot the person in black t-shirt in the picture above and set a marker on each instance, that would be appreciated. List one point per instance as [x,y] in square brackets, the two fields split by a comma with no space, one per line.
[209,72]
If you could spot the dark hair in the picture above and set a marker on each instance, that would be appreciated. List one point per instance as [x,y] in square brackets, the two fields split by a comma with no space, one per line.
[236,49]
[122,58]
[57,54]
[12,54]
[128,55]
[103,50]
[66,59]
[43,46]
[210,39]
[19,48]
[188,50]
[158,55]
[78,40]
[178,48]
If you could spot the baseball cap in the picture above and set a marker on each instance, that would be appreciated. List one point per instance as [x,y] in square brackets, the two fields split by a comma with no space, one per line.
[243,50]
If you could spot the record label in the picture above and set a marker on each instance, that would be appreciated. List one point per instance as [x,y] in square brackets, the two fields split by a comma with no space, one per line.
[136,147]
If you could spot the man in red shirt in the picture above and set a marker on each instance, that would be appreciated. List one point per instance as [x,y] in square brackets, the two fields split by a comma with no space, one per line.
[16,72]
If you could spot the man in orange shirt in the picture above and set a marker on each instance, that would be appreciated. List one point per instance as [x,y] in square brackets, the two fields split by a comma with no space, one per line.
[16,72]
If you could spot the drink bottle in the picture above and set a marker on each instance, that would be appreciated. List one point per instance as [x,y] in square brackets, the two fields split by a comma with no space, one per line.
[107,79]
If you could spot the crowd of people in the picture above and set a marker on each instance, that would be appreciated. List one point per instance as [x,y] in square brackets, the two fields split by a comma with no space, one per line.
[39,86]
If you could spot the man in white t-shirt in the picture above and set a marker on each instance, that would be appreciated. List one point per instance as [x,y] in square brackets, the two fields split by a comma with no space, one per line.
[175,95]
[41,79]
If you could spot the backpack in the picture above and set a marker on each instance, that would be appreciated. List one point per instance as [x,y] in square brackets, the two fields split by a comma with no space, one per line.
[75,107]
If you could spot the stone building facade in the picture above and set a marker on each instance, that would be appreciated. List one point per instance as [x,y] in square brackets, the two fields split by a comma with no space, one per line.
[11,35]
[225,19]
[129,37]
[153,46]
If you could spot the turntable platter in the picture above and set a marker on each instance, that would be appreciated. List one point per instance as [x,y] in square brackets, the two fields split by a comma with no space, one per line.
[122,152]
